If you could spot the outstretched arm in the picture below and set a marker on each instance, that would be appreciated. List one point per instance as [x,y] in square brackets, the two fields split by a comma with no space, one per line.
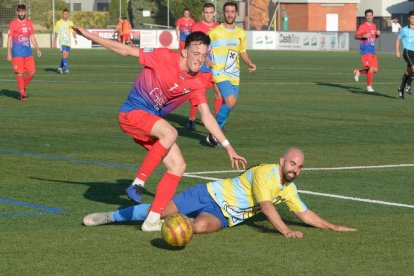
[273,216]
[311,218]
[211,124]
[114,46]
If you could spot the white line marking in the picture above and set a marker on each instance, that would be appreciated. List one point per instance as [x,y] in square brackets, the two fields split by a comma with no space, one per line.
[358,199]
[246,83]
[319,169]
[197,175]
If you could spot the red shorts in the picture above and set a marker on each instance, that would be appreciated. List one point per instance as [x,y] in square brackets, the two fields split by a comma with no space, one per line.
[182,45]
[125,37]
[23,65]
[369,60]
[138,124]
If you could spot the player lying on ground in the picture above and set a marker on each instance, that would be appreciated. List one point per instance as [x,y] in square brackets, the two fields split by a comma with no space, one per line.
[228,202]
[168,80]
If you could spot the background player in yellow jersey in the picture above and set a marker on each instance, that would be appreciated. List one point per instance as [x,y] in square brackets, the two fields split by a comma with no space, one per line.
[63,30]
[228,44]
[228,202]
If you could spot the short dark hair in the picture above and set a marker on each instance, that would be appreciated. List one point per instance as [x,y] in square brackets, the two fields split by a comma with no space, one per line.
[208,5]
[21,7]
[197,37]
[234,4]
[369,11]
[186,9]
[411,13]
[65,10]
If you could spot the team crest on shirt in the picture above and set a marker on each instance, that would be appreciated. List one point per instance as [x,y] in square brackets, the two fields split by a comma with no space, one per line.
[185,91]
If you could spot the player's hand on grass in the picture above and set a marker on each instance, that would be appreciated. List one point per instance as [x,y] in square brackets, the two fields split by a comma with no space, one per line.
[341,228]
[235,158]
[293,234]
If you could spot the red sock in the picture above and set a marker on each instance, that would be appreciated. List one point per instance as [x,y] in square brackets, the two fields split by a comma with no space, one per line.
[27,79]
[193,112]
[20,83]
[165,191]
[217,104]
[370,78]
[151,161]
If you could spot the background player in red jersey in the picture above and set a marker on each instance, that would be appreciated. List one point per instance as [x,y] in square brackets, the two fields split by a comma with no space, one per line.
[168,80]
[184,27]
[19,51]
[367,33]
[207,24]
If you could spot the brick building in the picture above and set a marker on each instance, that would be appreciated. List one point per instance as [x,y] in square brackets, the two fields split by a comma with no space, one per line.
[320,15]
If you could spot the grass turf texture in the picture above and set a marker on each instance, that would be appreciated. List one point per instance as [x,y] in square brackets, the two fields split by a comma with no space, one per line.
[306,99]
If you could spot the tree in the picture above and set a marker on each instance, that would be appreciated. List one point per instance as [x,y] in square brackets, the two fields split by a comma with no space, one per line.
[114,10]
[159,11]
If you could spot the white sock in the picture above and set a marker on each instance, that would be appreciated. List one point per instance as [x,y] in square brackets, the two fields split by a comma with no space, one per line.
[153,217]
[138,182]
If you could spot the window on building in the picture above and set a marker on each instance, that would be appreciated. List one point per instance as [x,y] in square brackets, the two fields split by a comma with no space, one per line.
[102,6]
[76,6]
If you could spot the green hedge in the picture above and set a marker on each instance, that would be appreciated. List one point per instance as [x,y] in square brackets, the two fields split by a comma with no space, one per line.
[87,19]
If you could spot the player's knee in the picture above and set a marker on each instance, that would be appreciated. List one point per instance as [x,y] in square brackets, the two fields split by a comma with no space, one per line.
[231,102]
[200,227]
[169,135]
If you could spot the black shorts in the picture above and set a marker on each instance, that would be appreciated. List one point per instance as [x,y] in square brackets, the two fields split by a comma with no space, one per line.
[409,57]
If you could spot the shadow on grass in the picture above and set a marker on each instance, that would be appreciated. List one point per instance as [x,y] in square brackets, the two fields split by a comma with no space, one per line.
[256,222]
[107,192]
[10,93]
[52,70]
[161,244]
[182,121]
[355,90]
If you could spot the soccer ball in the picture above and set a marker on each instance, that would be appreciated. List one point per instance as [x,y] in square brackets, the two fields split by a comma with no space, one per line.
[177,230]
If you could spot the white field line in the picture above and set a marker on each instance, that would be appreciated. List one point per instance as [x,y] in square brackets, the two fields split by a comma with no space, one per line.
[358,199]
[373,201]
[319,169]
[246,83]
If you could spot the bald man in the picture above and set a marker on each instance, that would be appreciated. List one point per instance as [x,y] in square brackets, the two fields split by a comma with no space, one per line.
[228,202]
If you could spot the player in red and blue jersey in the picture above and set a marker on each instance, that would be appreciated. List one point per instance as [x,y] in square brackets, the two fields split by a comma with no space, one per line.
[184,27]
[207,24]
[19,51]
[367,33]
[168,80]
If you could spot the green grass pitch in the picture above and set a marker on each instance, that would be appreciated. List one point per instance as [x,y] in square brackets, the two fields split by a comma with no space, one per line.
[62,156]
